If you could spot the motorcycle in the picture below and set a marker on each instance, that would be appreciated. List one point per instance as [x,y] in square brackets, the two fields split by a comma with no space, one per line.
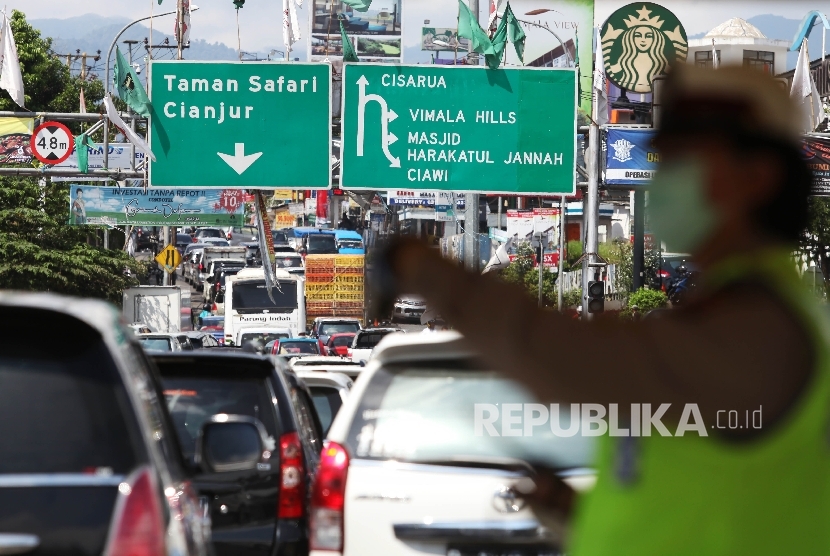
[682,285]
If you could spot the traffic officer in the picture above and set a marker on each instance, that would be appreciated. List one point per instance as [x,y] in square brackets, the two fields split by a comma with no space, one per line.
[732,190]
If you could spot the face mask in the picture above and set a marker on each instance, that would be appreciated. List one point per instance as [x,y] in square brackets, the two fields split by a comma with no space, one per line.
[678,211]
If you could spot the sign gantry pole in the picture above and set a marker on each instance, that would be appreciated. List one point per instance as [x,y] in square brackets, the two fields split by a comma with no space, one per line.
[471,257]
[591,208]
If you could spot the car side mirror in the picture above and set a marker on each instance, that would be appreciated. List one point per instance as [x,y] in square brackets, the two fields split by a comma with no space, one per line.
[230,443]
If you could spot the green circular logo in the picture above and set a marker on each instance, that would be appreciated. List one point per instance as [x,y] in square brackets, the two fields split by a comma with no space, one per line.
[639,42]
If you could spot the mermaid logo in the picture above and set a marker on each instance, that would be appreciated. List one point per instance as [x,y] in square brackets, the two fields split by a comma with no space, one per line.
[639,42]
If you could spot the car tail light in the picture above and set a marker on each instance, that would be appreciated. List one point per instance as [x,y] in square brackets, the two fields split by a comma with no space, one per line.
[664,274]
[276,348]
[349,352]
[327,499]
[137,527]
[292,477]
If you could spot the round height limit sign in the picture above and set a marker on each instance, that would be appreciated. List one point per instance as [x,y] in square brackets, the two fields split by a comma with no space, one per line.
[52,142]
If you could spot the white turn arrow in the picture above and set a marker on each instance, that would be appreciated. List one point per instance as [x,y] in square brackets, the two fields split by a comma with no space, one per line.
[239,161]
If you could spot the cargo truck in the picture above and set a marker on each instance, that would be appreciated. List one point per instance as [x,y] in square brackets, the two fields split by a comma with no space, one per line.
[334,286]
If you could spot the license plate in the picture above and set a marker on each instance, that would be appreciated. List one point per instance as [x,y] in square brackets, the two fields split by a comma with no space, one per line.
[495,550]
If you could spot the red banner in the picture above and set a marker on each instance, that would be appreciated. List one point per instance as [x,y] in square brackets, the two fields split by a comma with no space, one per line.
[551,259]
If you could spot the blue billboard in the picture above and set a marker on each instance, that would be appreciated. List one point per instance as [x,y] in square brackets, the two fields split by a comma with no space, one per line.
[631,158]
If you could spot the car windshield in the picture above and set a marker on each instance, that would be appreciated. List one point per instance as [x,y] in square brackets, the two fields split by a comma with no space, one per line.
[428,414]
[350,244]
[64,410]
[288,348]
[213,321]
[279,236]
[253,296]
[329,328]
[209,232]
[327,403]
[193,400]
[342,341]
[155,344]
[183,238]
[370,340]
[289,262]
[321,244]
[258,340]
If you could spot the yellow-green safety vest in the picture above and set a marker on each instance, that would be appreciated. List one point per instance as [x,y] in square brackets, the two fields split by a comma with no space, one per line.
[712,496]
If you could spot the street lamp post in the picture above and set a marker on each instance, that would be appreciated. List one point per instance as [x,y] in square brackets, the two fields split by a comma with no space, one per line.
[548,29]
[107,71]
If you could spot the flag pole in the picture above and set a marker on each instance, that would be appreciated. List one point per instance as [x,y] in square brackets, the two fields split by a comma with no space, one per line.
[238,38]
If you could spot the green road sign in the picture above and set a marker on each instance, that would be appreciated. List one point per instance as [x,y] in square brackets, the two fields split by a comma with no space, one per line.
[459,129]
[240,124]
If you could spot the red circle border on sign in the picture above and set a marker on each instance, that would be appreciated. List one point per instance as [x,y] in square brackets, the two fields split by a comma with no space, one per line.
[34,147]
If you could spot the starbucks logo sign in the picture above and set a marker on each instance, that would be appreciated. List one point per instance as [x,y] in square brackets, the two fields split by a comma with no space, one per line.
[639,42]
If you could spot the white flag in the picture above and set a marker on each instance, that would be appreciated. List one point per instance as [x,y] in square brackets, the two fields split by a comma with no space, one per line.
[601,104]
[501,259]
[10,78]
[83,102]
[804,92]
[131,135]
[290,27]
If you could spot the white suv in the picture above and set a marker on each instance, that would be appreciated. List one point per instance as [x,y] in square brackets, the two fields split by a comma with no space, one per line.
[404,471]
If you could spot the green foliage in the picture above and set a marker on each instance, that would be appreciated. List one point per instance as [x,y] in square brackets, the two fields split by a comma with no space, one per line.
[815,240]
[522,273]
[38,250]
[645,300]
[620,253]
[573,251]
[572,298]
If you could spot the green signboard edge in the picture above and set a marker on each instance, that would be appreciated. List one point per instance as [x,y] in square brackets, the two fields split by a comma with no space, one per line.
[232,62]
[346,65]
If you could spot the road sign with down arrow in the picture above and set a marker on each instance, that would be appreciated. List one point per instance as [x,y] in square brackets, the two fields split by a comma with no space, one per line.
[240,124]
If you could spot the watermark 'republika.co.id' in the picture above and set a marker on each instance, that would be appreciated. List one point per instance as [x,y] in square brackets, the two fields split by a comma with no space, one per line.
[590,419]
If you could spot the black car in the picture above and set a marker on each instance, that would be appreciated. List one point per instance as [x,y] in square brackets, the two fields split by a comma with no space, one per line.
[90,461]
[259,504]
[217,282]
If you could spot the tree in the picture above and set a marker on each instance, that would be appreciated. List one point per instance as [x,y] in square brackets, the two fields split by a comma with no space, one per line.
[814,246]
[523,273]
[38,250]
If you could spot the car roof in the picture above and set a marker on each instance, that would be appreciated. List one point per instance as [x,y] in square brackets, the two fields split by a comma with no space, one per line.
[99,315]
[336,319]
[323,377]
[309,340]
[324,360]
[375,330]
[404,348]
[218,353]
[159,335]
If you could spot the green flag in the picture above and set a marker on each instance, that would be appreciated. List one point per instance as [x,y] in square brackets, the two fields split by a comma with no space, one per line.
[82,145]
[499,42]
[349,55]
[469,28]
[359,5]
[515,33]
[129,87]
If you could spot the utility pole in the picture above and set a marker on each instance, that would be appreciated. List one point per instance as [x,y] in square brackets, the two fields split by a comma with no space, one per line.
[590,212]
[560,294]
[471,257]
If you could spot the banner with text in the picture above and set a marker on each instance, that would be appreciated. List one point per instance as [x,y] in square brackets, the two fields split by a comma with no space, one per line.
[817,154]
[630,159]
[459,129]
[89,204]
[119,158]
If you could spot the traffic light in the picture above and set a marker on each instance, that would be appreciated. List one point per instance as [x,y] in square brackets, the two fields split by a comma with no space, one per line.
[596,297]
[337,192]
